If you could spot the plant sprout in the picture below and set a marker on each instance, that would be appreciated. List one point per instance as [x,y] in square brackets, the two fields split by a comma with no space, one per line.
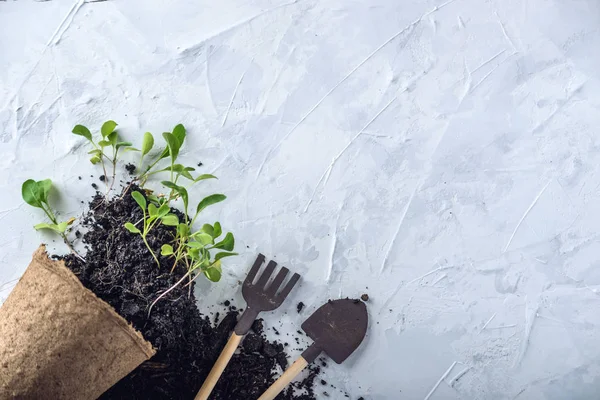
[151,218]
[35,193]
[110,139]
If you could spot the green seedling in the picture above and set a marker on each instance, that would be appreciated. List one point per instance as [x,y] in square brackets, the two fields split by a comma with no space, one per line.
[110,139]
[35,193]
[152,216]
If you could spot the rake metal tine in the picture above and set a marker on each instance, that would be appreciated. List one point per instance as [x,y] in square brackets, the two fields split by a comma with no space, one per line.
[274,286]
[264,278]
[288,288]
[260,259]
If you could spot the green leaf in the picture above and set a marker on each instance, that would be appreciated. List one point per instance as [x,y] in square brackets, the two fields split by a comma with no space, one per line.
[208,228]
[104,143]
[205,176]
[170,220]
[147,143]
[194,254]
[97,152]
[180,190]
[227,243]
[179,133]
[213,273]
[210,200]
[166,250]
[122,144]
[152,210]
[217,230]
[223,255]
[173,145]
[183,230]
[107,128]
[131,228]
[180,169]
[195,245]
[204,238]
[82,131]
[153,198]
[44,187]
[36,193]
[131,149]
[95,160]
[113,137]
[60,228]
[163,210]
[139,198]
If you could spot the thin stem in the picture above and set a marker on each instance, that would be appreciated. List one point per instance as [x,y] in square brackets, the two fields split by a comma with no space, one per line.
[150,249]
[52,217]
[114,171]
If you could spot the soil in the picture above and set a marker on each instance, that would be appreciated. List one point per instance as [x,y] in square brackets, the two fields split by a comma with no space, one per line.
[120,270]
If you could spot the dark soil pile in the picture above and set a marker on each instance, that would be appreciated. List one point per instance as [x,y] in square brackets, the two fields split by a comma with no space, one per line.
[121,271]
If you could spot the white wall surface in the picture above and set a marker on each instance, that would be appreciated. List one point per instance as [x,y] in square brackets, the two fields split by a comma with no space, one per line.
[443,157]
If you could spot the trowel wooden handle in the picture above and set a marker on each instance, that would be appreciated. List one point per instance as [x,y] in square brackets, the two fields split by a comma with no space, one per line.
[284,379]
[219,367]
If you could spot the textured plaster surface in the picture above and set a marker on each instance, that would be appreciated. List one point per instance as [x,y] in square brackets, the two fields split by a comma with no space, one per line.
[443,157]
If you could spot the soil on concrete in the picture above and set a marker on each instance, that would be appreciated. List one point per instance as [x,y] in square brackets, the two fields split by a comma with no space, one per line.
[120,270]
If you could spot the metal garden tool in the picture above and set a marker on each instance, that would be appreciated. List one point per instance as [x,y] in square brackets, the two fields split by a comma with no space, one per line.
[259,297]
[337,328]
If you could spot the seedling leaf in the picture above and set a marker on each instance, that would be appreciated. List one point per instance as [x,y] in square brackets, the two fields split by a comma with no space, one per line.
[107,128]
[131,228]
[123,144]
[56,228]
[227,243]
[213,273]
[152,210]
[170,220]
[95,160]
[183,229]
[210,200]
[82,131]
[180,190]
[172,144]
[223,255]
[208,228]
[179,133]
[217,230]
[204,238]
[147,143]
[205,176]
[163,210]
[112,138]
[166,250]
[139,198]
[30,193]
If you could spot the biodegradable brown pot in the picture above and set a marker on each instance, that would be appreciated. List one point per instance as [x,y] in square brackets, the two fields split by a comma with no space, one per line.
[59,341]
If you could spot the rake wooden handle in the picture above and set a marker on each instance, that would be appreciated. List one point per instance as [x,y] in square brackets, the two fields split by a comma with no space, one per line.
[284,379]
[219,367]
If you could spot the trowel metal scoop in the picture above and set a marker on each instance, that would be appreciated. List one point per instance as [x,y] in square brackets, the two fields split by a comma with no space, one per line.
[259,296]
[337,328]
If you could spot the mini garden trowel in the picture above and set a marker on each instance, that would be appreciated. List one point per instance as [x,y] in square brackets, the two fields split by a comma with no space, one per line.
[337,328]
[259,297]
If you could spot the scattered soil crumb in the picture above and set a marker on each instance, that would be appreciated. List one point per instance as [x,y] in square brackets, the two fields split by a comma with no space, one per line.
[95,186]
[299,307]
[102,178]
[364,297]
[130,168]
